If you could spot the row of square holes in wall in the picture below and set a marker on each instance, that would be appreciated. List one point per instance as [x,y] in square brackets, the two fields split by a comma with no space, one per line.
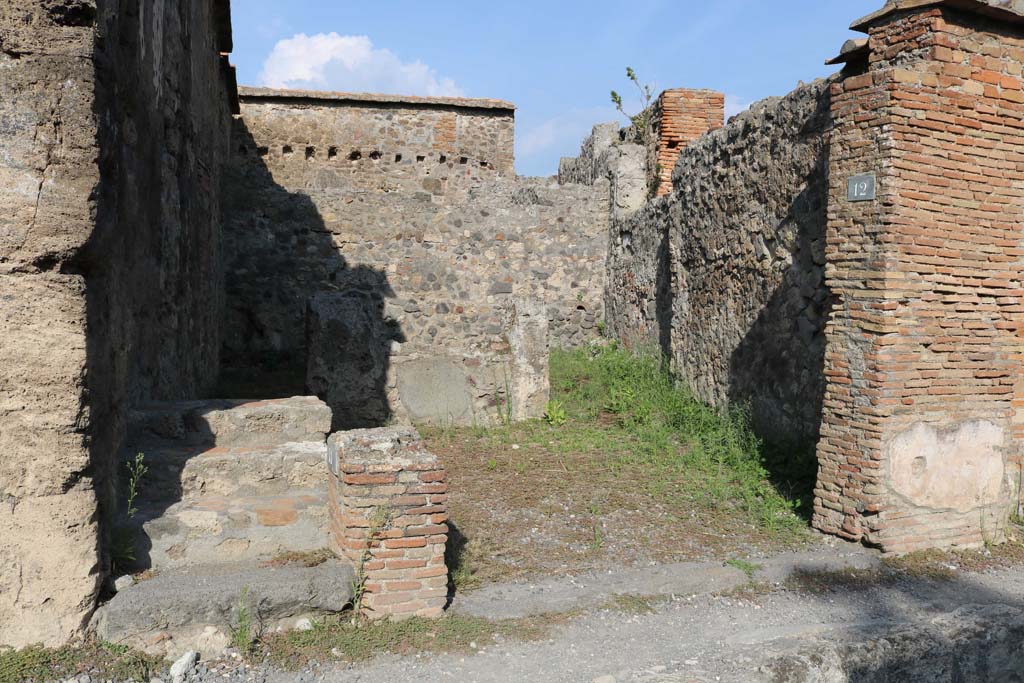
[355,155]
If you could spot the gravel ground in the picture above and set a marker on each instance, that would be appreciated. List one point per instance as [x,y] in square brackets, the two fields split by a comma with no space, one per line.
[695,636]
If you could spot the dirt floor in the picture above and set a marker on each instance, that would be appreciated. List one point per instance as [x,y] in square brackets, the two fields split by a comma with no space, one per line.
[523,504]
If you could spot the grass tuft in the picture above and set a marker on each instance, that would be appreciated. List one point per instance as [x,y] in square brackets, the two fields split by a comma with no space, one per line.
[748,568]
[244,632]
[698,455]
[104,661]
[345,640]
[628,603]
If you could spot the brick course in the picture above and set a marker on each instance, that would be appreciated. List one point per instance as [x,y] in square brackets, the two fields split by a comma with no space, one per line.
[681,116]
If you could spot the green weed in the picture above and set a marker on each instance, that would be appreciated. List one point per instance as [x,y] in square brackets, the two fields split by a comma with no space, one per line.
[104,660]
[554,413]
[748,568]
[243,633]
[123,535]
[641,121]
[122,549]
[136,471]
[629,404]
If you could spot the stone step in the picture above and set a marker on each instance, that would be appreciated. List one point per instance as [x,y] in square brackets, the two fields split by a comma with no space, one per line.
[184,472]
[229,423]
[216,528]
[197,608]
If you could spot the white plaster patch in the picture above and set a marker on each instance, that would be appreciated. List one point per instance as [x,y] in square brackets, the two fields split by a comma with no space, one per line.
[959,467]
[200,519]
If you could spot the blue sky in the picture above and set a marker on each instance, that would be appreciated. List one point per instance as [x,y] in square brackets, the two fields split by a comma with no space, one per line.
[557,61]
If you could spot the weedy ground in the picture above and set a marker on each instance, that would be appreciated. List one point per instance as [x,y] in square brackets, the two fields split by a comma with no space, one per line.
[343,639]
[634,470]
[106,661]
[629,469]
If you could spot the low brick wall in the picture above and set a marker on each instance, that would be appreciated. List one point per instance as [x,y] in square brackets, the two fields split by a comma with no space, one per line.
[388,511]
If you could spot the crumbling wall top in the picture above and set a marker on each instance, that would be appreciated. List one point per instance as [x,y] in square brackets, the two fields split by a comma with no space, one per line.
[247,93]
[1011,11]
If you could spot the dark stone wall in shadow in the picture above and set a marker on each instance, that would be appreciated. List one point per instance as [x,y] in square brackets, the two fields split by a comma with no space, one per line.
[153,265]
[281,259]
[117,114]
[383,274]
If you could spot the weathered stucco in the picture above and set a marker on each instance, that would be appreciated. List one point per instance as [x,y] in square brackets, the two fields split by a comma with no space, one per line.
[959,467]
[115,123]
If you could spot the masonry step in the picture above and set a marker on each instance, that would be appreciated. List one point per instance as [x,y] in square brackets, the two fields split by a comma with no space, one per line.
[227,528]
[196,608]
[229,423]
[184,472]
[225,504]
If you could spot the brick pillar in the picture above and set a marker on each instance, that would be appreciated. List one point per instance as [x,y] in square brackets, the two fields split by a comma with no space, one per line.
[680,117]
[922,414]
[388,512]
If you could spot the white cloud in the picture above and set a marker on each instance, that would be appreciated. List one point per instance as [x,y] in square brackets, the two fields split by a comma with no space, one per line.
[328,61]
[734,105]
[539,146]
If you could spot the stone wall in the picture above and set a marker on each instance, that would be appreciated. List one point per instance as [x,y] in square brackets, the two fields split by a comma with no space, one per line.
[378,143]
[115,123]
[914,385]
[725,275]
[607,159]
[921,436]
[397,296]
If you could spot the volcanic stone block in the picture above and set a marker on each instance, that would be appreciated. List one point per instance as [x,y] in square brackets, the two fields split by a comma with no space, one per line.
[529,339]
[348,345]
[435,390]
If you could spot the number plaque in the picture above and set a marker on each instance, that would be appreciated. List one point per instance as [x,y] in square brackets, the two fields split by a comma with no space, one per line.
[861,188]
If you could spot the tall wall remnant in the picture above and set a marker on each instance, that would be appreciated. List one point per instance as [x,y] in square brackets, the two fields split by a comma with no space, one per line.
[921,435]
[115,118]
[408,240]
[679,117]
[725,275]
